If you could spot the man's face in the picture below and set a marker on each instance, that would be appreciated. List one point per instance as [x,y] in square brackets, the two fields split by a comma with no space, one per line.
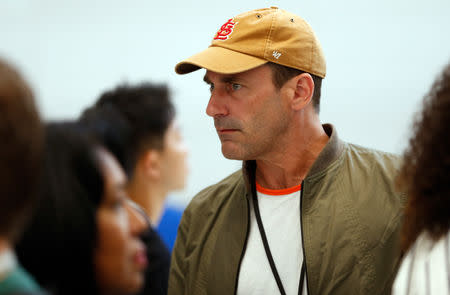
[249,113]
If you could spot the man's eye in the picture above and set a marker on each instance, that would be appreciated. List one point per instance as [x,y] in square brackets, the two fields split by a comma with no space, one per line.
[235,86]
[211,87]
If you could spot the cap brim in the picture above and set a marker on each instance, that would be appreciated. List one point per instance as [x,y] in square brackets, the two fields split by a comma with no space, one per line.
[219,60]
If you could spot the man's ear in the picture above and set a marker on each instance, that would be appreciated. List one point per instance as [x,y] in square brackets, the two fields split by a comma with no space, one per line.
[301,90]
[151,163]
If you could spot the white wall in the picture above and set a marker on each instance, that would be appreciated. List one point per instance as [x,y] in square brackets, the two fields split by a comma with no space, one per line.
[382,56]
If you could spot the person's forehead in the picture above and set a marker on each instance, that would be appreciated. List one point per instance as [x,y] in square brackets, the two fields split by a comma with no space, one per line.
[209,75]
[229,77]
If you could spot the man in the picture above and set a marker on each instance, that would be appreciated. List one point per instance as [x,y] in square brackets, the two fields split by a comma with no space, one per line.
[308,213]
[21,132]
[137,124]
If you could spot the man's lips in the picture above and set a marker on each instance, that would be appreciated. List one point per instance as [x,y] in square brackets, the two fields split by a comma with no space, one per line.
[226,130]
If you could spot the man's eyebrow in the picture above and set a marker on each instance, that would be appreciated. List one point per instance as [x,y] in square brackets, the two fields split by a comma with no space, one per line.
[225,79]
[228,79]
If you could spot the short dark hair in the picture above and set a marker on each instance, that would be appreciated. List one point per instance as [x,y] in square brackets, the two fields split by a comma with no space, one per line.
[130,119]
[112,130]
[281,74]
[57,247]
[21,134]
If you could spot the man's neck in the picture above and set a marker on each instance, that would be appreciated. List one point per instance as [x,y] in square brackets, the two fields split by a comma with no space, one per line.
[150,196]
[289,167]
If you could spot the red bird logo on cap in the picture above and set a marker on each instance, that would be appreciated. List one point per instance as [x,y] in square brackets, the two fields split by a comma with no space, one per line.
[225,30]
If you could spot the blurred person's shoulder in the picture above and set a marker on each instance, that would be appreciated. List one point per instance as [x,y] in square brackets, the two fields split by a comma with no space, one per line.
[426,258]
[29,293]
[19,281]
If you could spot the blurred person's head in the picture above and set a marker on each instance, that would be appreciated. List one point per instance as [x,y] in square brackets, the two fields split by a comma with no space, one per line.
[425,175]
[137,124]
[83,237]
[21,134]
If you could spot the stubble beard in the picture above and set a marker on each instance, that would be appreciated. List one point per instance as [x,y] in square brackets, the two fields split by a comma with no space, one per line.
[256,147]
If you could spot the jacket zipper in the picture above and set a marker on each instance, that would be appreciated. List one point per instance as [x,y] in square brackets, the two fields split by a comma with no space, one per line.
[244,248]
[303,241]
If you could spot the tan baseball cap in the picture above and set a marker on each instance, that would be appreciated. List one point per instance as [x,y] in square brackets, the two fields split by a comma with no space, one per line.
[256,37]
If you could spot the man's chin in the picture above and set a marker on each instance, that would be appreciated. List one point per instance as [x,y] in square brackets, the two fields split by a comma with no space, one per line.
[231,154]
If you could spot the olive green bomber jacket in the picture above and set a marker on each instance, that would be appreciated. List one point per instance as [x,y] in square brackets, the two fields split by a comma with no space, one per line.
[350,218]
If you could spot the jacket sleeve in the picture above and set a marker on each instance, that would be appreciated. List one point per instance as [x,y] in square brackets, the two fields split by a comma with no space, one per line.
[178,266]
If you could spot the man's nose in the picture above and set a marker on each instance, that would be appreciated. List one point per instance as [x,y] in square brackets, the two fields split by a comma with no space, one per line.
[217,104]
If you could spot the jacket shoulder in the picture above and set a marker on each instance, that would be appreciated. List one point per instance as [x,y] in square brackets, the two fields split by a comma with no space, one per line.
[217,193]
[374,160]
[373,175]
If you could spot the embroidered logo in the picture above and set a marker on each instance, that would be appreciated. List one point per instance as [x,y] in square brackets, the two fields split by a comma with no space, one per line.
[276,54]
[225,30]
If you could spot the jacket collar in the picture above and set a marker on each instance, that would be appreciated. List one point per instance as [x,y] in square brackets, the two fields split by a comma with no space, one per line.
[328,155]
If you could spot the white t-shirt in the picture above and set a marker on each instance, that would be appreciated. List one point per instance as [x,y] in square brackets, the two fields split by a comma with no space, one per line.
[425,268]
[280,215]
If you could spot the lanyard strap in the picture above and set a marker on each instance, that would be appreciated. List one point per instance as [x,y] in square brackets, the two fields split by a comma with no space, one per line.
[269,253]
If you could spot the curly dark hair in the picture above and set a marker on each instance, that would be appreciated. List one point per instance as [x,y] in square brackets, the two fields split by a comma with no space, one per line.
[425,174]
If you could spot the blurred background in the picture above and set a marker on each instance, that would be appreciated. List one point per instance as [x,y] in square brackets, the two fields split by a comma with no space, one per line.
[382,56]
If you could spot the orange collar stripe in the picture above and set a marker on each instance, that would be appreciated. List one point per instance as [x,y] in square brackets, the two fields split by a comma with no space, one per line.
[278,192]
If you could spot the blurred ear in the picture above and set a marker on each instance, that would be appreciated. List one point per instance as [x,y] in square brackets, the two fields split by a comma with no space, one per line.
[300,90]
[151,163]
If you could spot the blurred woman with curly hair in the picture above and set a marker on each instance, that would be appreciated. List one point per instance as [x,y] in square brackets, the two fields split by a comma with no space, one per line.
[425,177]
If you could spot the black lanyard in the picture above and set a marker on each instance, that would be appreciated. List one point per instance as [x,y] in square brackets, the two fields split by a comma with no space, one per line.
[269,254]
